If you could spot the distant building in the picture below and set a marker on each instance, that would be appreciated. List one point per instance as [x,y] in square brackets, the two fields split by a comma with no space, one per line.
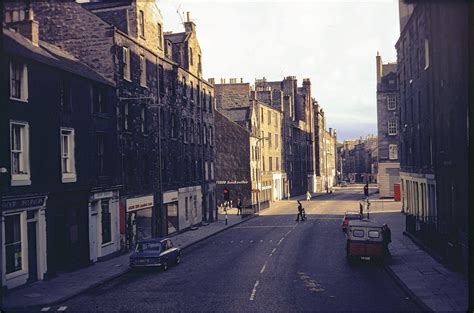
[388,127]
[359,160]
[432,58]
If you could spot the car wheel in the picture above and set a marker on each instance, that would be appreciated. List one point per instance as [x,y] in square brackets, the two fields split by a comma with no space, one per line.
[165,266]
[178,259]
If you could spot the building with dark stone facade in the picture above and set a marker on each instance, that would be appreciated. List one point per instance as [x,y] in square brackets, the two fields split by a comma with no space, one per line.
[59,122]
[388,128]
[232,161]
[165,118]
[432,58]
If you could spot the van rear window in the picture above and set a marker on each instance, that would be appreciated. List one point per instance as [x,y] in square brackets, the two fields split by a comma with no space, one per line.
[373,234]
[358,233]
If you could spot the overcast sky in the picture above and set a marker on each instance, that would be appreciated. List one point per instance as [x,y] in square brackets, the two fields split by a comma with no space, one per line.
[332,42]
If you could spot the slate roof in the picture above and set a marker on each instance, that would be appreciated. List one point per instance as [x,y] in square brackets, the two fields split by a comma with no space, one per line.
[105,4]
[238,114]
[177,37]
[15,44]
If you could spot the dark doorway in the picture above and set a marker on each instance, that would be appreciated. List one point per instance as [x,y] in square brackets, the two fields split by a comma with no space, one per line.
[32,254]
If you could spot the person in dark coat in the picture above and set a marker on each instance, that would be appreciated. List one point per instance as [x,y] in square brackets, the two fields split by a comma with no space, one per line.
[387,238]
[300,212]
[239,206]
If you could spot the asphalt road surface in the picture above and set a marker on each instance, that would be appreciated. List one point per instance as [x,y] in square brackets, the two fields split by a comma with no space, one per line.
[269,264]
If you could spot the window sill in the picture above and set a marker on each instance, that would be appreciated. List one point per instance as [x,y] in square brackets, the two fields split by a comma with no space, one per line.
[127,79]
[104,245]
[15,274]
[20,180]
[144,86]
[18,99]
[69,178]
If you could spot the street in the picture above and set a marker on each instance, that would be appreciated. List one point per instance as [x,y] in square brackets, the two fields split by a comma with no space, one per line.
[269,264]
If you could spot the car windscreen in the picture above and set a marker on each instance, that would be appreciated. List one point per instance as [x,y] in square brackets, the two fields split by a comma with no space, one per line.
[148,246]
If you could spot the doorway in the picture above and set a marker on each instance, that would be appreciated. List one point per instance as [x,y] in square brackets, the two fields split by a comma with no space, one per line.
[32,253]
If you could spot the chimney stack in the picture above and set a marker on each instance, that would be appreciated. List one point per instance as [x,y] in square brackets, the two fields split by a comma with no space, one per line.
[189,25]
[23,22]
[378,61]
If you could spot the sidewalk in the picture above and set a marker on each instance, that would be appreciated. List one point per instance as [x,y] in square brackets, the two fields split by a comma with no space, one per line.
[433,286]
[67,285]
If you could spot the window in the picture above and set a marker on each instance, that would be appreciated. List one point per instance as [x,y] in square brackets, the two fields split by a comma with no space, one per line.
[65,94]
[98,98]
[210,102]
[106,222]
[160,36]
[212,170]
[358,233]
[276,140]
[204,134]
[13,251]
[262,115]
[143,119]
[192,132]
[142,23]
[427,54]
[277,164]
[393,152]
[184,130]
[20,163]
[275,118]
[199,63]
[392,127]
[142,71]
[211,136]
[126,117]
[206,171]
[184,91]
[269,139]
[18,81]
[270,164]
[269,118]
[198,130]
[126,63]
[186,208]
[191,56]
[161,77]
[391,102]
[101,154]
[373,234]
[195,205]
[191,92]
[67,156]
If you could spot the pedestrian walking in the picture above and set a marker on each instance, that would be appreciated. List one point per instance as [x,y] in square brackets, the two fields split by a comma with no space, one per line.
[239,206]
[366,190]
[300,212]
[361,209]
[386,239]
[308,195]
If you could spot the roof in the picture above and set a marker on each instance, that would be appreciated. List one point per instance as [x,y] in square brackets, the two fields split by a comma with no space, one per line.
[105,4]
[237,114]
[14,43]
[365,223]
[177,37]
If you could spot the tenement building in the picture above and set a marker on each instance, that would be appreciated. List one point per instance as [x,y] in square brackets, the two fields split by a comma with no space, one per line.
[433,91]
[164,123]
[60,182]
[388,127]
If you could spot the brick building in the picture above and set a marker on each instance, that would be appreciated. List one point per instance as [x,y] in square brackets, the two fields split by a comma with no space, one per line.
[60,124]
[432,58]
[388,128]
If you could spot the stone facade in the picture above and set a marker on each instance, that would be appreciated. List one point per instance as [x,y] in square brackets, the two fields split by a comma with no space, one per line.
[359,160]
[388,127]
[433,89]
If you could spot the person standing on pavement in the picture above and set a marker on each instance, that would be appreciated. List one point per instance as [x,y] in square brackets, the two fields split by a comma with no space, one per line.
[387,238]
[239,206]
[308,195]
[300,212]
[366,190]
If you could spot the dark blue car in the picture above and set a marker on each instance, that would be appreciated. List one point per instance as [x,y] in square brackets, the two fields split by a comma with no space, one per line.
[158,252]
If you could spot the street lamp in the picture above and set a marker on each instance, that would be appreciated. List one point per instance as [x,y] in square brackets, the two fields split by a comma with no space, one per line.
[259,172]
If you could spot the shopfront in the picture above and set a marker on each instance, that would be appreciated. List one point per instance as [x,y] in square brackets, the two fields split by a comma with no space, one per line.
[170,202]
[104,232]
[23,239]
[139,218]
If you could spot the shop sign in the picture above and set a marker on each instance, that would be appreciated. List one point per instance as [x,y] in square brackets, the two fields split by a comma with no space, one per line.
[102,195]
[232,182]
[135,204]
[23,203]
[170,196]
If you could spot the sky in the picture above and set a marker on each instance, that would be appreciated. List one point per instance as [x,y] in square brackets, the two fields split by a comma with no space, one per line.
[332,42]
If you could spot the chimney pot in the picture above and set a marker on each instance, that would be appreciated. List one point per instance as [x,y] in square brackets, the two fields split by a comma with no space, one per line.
[188,15]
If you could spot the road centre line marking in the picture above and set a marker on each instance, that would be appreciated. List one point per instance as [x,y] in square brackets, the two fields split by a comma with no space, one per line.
[263,268]
[265,226]
[62,308]
[45,309]
[280,240]
[254,290]
[274,249]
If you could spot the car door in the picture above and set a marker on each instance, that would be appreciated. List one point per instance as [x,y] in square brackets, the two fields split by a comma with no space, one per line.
[164,251]
[172,250]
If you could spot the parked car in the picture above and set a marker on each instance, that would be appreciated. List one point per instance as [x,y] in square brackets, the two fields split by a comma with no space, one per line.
[364,240]
[158,252]
[348,216]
